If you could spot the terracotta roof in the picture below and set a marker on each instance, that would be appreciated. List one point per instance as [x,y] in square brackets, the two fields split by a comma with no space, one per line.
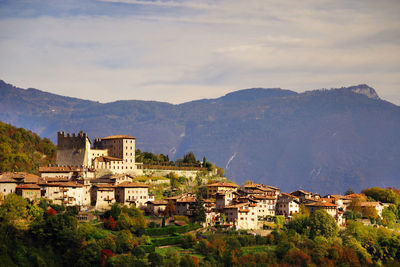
[370,204]
[27,177]
[301,191]
[7,180]
[44,180]
[118,137]
[58,169]
[354,196]
[334,196]
[131,185]
[321,204]
[63,184]
[104,185]
[158,202]
[28,186]
[186,199]
[239,205]
[264,197]
[223,185]
[288,195]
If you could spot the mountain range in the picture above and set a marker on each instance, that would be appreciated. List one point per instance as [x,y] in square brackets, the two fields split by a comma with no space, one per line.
[319,140]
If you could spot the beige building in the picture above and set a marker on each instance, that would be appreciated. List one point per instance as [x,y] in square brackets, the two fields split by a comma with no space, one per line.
[65,193]
[287,205]
[212,189]
[266,205]
[132,193]
[102,196]
[7,185]
[224,198]
[28,191]
[242,215]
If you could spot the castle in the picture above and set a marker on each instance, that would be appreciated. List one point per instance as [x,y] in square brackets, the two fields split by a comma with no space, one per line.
[114,153]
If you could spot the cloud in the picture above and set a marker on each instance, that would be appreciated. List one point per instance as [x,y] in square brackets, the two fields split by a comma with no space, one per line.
[177,51]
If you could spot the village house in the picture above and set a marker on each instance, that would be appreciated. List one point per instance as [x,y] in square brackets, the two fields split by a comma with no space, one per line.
[212,189]
[259,189]
[185,205]
[132,193]
[224,198]
[65,193]
[266,205]
[302,195]
[10,180]
[330,208]
[242,215]
[102,196]
[378,206]
[156,207]
[28,191]
[287,205]
[7,185]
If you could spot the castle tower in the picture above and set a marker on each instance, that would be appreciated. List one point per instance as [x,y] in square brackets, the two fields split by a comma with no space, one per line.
[72,150]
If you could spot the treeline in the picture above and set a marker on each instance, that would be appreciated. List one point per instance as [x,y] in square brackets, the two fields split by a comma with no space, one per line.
[189,159]
[44,234]
[22,150]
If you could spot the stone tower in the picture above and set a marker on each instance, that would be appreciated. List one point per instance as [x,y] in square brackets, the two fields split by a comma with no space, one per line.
[72,150]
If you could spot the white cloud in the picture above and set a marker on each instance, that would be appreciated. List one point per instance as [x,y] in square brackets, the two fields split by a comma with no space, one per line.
[177,51]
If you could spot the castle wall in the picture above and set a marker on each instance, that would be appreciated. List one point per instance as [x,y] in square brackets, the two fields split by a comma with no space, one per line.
[72,150]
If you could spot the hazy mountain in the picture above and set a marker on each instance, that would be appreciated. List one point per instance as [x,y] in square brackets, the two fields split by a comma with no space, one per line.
[321,140]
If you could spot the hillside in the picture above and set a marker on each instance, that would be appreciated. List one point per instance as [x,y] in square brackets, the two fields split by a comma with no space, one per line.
[22,150]
[317,140]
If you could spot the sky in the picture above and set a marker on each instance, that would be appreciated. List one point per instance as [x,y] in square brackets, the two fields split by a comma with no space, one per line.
[182,50]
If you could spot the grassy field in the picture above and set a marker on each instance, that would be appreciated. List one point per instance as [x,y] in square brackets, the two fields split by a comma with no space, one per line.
[257,249]
[170,249]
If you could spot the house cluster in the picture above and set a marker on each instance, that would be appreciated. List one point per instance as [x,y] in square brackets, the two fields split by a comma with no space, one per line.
[250,205]
[74,181]
[72,186]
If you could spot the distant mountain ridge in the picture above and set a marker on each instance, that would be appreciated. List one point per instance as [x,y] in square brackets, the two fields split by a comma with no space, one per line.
[320,140]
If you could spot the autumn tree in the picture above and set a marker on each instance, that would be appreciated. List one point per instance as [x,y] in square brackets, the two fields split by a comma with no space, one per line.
[321,223]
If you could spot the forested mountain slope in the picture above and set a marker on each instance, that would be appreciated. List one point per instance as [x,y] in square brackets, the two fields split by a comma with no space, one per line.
[22,150]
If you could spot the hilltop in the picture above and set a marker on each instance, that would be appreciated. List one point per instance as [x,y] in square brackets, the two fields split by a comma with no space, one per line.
[337,138]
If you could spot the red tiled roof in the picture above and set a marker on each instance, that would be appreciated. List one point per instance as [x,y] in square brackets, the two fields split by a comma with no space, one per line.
[28,186]
[370,204]
[321,204]
[58,169]
[131,185]
[223,185]
[236,205]
[104,185]
[158,202]
[354,196]
[118,137]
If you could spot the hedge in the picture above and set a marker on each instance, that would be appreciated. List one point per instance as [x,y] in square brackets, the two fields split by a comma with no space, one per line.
[165,241]
[169,230]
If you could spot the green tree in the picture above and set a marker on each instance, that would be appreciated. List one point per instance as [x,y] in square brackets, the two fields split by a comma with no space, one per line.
[199,212]
[321,223]
[155,259]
